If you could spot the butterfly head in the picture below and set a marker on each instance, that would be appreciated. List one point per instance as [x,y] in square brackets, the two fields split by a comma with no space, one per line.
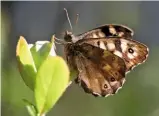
[70,37]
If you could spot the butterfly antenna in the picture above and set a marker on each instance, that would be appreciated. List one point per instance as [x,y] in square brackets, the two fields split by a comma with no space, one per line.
[76,21]
[77,17]
[68,18]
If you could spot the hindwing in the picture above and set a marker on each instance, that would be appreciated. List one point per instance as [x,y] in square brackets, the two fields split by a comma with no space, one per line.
[99,71]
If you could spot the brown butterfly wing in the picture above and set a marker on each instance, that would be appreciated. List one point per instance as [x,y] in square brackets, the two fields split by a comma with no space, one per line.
[99,71]
[133,52]
[108,30]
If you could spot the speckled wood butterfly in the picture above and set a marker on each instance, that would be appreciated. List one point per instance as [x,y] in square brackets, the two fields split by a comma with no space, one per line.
[103,56]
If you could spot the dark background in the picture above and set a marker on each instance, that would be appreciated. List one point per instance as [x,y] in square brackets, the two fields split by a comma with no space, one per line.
[40,20]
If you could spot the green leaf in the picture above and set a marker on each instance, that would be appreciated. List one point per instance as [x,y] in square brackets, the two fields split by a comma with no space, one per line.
[51,81]
[41,50]
[31,108]
[26,63]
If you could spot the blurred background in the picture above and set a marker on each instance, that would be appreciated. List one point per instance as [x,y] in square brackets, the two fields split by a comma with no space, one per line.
[40,20]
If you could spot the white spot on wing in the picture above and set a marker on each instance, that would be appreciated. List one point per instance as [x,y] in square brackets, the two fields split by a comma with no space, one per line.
[116,52]
[118,89]
[130,56]
[94,35]
[101,34]
[108,95]
[112,30]
[111,46]
[123,81]
[120,34]
[101,45]
[135,54]
[113,83]
[123,45]
[96,94]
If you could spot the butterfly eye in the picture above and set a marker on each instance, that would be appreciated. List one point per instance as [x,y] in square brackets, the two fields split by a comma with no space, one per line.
[105,86]
[130,50]
[112,79]
[68,36]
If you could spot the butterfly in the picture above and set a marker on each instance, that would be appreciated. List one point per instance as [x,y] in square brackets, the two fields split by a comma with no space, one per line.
[102,56]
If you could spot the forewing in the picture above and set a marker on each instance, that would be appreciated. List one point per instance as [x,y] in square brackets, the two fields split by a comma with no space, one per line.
[108,30]
[133,52]
[100,71]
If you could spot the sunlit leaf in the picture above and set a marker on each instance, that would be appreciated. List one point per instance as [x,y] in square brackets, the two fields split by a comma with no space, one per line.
[26,63]
[51,81]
